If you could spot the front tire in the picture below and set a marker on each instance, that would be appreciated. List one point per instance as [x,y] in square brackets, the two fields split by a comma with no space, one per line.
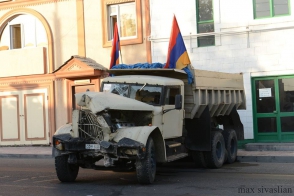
[65,172]
[216,157]
[146,167]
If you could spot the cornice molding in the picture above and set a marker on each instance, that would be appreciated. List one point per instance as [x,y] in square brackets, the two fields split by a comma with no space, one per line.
[26,3]
[27,80]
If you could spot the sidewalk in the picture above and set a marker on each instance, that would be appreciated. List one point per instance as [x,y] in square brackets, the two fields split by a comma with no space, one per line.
[243,155]
[26,152]
[266,156]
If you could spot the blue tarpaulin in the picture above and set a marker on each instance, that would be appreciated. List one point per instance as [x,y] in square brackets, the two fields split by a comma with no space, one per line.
[152,66]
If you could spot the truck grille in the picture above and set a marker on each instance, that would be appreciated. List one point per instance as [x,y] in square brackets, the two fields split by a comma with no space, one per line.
[89,126]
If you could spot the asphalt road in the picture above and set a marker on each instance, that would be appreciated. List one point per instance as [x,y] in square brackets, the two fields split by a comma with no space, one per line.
[37,177]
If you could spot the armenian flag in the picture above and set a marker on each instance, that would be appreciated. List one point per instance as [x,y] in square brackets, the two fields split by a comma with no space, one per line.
[115,48]
[177,57]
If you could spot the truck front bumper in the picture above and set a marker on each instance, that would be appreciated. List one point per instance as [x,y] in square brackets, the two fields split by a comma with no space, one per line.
[125,148]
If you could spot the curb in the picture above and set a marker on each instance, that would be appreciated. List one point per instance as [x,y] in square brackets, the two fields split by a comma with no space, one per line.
[29,156]
[266,159]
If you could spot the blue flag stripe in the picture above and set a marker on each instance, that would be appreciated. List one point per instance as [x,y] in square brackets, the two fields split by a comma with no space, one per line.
[177,51]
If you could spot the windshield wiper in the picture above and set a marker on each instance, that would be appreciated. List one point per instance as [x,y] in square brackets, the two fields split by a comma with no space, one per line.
[143,86]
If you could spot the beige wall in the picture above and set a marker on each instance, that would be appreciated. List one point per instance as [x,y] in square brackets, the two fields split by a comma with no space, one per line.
[29,61]
[62,20]
[60,102]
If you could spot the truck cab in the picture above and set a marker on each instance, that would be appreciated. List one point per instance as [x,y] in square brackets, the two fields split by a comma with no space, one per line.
[157,91]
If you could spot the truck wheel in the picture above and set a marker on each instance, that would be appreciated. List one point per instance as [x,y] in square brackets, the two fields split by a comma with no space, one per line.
[226,155]
[146,168]
[65,172]
[231,142]
[198,158]
[216,157]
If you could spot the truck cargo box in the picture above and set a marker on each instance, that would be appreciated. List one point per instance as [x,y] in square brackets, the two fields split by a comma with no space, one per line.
[217,90]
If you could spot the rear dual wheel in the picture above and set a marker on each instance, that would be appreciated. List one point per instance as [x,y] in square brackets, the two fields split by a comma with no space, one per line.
[224,148]
[216,157]
[231,143]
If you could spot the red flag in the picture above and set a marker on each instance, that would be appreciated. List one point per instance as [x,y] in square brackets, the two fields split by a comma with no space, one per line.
[115,48]
[177,57]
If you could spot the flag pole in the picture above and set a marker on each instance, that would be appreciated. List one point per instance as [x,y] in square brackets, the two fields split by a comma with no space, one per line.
[120,49]
[121,56]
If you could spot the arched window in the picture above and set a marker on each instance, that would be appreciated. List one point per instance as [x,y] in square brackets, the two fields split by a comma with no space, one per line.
[23,31]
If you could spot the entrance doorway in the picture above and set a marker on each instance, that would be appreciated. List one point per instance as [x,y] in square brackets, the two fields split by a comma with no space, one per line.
[273,109]
[24,117]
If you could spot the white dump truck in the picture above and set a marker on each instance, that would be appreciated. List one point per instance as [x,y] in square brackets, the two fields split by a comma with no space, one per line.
[145,117]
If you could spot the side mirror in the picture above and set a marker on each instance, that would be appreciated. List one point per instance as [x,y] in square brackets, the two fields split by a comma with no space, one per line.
[178,102]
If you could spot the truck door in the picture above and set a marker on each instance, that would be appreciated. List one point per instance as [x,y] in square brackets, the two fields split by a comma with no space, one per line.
[172,120]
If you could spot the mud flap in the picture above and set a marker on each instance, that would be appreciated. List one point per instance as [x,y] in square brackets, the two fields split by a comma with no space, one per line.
[198,132]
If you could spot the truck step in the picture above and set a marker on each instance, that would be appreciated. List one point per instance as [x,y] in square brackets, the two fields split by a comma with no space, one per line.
[176,157]
[172,144]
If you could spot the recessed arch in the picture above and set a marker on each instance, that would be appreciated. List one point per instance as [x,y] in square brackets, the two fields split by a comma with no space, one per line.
[16,12]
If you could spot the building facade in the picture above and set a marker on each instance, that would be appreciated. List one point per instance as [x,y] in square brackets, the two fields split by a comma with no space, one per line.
[252,37]
[50,50]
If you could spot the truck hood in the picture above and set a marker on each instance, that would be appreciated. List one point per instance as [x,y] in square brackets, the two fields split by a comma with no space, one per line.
[99,101]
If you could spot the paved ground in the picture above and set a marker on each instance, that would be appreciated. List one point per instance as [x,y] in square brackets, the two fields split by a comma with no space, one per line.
[243,156]
[35,177]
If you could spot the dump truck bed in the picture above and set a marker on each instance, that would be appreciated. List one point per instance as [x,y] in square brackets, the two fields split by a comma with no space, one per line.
[217,90]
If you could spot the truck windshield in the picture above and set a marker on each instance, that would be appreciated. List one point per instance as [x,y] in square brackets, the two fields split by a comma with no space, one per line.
[142,92]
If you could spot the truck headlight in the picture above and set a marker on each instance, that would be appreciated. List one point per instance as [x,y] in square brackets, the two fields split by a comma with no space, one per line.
[58,145]
[131,151]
